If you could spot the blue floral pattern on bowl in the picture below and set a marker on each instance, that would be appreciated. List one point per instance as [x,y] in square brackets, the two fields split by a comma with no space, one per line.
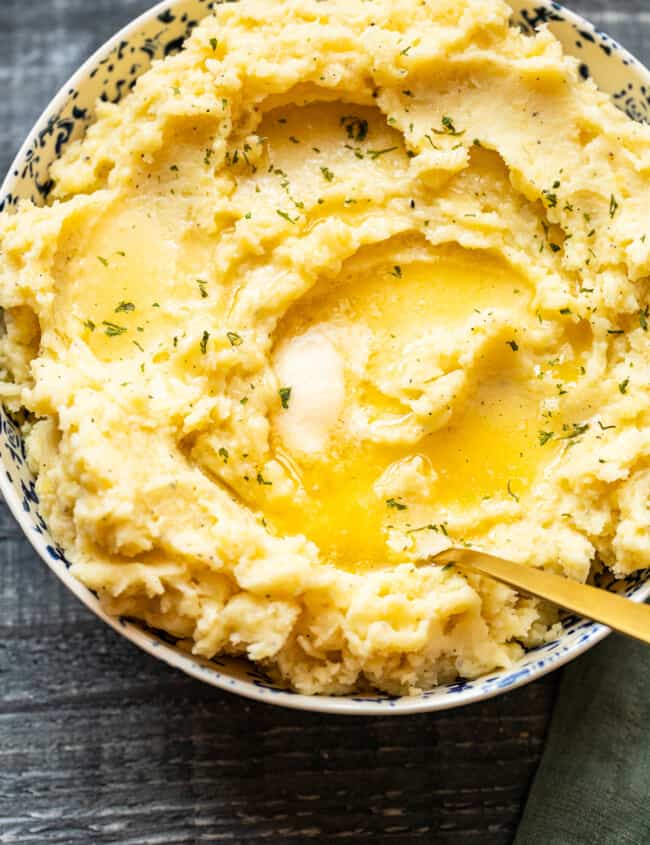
[109,75]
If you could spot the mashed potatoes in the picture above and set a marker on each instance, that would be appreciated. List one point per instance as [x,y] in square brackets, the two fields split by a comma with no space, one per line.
[339,284]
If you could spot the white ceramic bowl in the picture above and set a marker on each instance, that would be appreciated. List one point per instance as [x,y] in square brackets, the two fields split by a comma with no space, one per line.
[109,74]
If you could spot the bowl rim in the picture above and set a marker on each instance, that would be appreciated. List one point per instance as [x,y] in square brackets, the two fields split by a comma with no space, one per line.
[192,665]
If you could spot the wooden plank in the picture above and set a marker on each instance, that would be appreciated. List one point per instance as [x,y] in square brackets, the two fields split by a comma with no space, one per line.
[105,741]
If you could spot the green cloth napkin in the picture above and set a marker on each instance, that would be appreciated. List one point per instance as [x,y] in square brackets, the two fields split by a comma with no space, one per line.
[593,784]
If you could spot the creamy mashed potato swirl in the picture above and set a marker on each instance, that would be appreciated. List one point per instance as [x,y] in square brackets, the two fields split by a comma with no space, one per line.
[337,285]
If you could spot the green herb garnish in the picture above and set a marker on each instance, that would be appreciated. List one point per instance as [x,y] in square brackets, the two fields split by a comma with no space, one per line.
[376,153]
[430,527]
[356,128]
[393,503]
[511,493]
[448,128]
[112,330]
[551,198]
[574,430]
[285,216]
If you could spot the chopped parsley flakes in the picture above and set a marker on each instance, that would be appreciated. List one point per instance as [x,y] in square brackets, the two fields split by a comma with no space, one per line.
[355,127]
[511,493]
[285,396]
[112,329]
[393,503]
[574,430]
[285,216]
[431,527]
[551,198]
[376,153]
[448,128]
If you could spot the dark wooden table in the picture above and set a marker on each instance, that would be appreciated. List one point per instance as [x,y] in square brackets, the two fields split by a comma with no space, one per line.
[101,743]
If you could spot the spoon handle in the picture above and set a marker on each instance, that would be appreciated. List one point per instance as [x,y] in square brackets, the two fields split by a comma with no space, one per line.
[610,609]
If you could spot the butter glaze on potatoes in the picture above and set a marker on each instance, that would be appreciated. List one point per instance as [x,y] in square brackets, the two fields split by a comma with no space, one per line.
[339,284]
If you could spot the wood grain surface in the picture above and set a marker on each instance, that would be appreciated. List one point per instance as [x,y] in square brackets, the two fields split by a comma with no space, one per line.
[100,743]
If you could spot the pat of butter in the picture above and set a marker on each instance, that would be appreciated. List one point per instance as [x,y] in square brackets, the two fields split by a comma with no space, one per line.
[311,366]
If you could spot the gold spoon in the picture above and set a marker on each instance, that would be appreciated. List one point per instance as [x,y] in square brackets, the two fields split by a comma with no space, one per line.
[610,609]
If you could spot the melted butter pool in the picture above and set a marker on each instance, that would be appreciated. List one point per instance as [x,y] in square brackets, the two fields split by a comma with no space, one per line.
[490,447]
[121,278]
